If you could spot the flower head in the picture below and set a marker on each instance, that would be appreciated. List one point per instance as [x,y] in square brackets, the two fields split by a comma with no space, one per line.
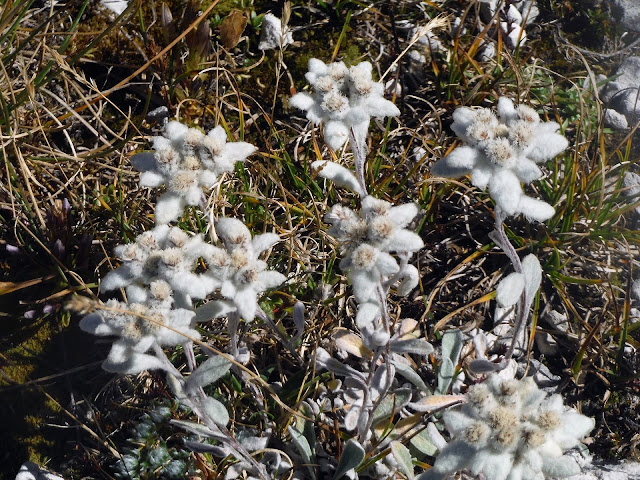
[343,99]
[186,161]
[502,152]
[509,429]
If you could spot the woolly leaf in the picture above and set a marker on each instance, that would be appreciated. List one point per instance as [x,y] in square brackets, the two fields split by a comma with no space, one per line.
[303,447]
[391,404]
[510,289]
[216,411]
[452,345]
[403,457]
[409,373]
[417,346]
[352,456]
[422,442]
[445,375]
[207,373]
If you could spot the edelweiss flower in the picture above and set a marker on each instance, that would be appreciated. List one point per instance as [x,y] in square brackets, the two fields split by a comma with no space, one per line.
[365,240]
[343,99]
[509,430]
[139,326]
[237,270]
[503,151]
[166,253]
[185,161]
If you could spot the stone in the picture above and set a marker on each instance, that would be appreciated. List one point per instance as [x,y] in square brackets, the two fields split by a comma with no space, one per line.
[615,120]
[623,93]
[628,12]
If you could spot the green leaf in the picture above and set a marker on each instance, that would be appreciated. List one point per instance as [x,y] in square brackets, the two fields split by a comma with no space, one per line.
[422,443]
[208,372]
[216,411]
[391,404]
[445,375]
[352,456]
[303,447]
[452,345]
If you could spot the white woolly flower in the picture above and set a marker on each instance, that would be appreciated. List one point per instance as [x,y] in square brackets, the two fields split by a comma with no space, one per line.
[502,152]
[164,253]
[238,271]
[367,238]
[343,99]
[186,161]
[273,36]
[510,430]
[139,326]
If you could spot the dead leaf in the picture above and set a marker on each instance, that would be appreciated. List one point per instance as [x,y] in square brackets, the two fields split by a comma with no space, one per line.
[232,28]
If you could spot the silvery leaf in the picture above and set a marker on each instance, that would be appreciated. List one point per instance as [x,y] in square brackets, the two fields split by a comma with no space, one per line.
[199,447]
[422,442]
[481,366]
[407,372]
[417,346]
[208,372]
[216,411]
[298,320]
[303,447]
[196,428]
[352,456]
[391,404]
[403,457]
[452,345]
[445,375]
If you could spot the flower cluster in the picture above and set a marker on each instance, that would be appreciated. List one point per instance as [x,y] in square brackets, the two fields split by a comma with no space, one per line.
[140,326]
[365,241]
[185,161]
[510,430]
[502,151]
[344,99]
[237,271]
[166,253]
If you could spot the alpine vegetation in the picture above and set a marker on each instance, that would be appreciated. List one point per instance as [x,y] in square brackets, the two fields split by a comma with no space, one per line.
[162,275]
[510,430]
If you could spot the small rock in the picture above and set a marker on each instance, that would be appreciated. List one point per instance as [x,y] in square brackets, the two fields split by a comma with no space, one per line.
[623,94]
[615,120]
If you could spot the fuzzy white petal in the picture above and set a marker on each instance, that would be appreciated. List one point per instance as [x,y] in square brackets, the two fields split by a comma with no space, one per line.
[341,176]
[526,170]
[533,274]
[535,209]
[463,157]
[546,146]
[152,179]
[379,107]
[505,189]
[481,175]
[122,359]
[404,241]
[409,280]
[336,134]
[169,207]
[401,215]
[302,101]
